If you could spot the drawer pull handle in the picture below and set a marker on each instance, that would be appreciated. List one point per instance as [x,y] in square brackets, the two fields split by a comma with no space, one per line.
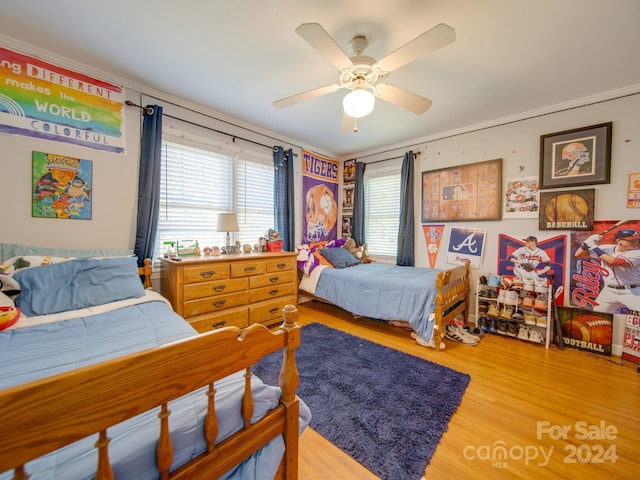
[274,279]
[274,291]
[218,288]
[249,269]
[273,311]
[219,303]
[281,265]
[208,274]
[219,324]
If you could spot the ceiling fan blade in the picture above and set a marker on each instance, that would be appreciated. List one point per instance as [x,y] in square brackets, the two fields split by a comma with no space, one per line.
[318,38]
[403,98]
[316,92]
[428,42]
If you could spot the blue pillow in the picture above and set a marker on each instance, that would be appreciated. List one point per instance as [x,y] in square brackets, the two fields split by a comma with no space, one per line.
[75,284]
[339,257]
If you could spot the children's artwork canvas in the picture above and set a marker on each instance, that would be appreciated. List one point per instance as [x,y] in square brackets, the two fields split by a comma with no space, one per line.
[61,187]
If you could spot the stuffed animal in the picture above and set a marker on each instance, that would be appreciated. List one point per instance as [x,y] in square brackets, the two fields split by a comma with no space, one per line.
[360,252]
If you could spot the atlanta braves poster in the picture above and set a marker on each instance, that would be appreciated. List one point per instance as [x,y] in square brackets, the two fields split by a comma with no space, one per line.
[466,245]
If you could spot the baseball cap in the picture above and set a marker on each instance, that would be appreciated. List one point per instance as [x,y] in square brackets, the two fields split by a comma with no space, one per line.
[530,238]
[627,233]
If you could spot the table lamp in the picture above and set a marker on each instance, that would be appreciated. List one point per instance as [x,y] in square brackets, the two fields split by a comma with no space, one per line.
[227,222]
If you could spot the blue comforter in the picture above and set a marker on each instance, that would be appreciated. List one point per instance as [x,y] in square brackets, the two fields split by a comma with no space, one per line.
[35,352]
[386,292]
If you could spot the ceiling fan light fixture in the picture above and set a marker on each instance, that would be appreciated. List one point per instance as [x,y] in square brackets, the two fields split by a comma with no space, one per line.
[358,103]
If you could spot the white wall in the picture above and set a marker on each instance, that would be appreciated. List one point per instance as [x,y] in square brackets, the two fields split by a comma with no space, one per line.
[518,144]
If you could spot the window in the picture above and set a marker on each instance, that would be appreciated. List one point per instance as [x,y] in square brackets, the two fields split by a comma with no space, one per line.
[198,183]
[382,212]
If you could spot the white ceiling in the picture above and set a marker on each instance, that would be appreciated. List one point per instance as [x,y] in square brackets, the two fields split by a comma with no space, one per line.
[238,56]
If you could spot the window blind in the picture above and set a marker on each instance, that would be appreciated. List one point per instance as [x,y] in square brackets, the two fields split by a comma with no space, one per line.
[197,184]
[382,213]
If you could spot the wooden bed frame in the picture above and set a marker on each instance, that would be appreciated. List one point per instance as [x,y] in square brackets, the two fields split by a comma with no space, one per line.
[44,415]
[452,298]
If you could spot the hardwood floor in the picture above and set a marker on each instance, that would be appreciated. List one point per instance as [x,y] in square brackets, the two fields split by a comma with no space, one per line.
[557,413]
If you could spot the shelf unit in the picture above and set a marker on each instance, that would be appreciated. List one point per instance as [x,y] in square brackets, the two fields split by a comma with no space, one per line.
[491,302]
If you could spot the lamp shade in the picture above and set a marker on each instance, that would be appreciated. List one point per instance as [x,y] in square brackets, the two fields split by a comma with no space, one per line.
[227,222]
[358,103]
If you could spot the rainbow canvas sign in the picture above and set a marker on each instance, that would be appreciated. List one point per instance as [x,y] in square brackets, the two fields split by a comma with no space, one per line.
[38,99]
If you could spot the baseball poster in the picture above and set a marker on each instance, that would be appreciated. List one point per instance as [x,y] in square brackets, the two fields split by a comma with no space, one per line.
[466,245]
[605,267]
[522,198]
[567,210]
[545,257]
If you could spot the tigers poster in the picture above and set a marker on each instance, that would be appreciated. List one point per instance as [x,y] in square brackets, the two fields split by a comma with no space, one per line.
[320,194]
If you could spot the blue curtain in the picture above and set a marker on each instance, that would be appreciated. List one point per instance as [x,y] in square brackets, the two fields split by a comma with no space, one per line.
[357,223]
[284,214]
[406,237]
[149,182]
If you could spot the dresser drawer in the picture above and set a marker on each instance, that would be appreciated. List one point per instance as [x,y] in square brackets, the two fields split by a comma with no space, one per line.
[269,312]
[274,278]
[206,272]
[274,291]
[246,269]
[221,287]
[281,264]
[231,317]
[214,304]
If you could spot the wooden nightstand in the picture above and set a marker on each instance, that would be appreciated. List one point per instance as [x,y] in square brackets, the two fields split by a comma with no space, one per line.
[238,290]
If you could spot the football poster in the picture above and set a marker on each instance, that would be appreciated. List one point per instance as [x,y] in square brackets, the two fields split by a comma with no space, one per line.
[587,330]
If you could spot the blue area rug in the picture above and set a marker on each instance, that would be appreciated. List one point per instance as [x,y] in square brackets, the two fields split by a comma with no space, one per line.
[384,408]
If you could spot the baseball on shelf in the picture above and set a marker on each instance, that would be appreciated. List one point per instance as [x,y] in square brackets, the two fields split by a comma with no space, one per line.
[588,328]
[566,207]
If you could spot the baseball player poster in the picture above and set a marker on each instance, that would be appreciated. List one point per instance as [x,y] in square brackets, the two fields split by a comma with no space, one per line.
[530,257]
[605,267]
[522,198]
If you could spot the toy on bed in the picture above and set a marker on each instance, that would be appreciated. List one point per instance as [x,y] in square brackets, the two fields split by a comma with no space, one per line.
[360,252]
[101,379]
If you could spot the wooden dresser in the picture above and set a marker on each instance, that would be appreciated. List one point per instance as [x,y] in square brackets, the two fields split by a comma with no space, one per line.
[238,290]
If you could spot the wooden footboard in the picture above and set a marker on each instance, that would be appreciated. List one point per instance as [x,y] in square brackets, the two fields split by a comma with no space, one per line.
[452,298]
[47,414]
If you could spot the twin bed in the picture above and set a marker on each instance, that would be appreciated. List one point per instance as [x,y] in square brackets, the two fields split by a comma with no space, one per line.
[101,379]
[425,299]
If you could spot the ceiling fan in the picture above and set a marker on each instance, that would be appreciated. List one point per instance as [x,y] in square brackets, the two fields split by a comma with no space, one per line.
[362,74]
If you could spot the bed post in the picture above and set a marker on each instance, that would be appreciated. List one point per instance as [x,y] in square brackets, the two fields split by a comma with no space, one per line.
[288,380]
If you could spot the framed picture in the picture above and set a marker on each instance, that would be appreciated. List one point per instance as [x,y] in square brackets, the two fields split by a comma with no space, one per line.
[581,156]
[463,193]
[567,210]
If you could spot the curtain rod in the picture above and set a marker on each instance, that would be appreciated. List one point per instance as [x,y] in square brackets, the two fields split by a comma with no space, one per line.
[415,155]
[149,111]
